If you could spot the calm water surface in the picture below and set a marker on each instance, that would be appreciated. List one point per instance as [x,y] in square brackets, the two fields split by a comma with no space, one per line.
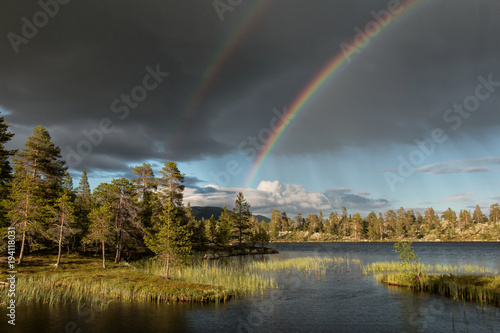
[342,301]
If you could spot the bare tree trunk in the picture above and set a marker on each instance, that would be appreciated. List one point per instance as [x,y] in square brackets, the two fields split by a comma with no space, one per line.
[60,239]
[21,253]
[103,256]
[166,269]
[118,247]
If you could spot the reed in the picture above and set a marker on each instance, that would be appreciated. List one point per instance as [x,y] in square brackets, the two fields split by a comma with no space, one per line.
[245,278]
[460,282]
[82,279]
[394,266]
[475,288]
[46,285]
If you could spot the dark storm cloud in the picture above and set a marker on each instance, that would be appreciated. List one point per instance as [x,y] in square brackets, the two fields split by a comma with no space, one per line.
[91,52]
[343,197]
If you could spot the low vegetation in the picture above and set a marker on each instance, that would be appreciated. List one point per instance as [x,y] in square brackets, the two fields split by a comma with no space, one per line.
[82,278]
[464,282]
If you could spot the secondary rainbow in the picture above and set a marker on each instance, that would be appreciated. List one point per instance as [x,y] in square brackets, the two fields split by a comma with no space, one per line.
[318,81]
[215,64]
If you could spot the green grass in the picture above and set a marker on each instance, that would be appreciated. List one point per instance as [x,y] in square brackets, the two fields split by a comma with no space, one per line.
[245,278]
[82,278]
[465,282]
[476,288]
[393,266]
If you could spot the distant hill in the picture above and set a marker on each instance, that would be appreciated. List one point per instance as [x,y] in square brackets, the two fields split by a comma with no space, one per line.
[206,212]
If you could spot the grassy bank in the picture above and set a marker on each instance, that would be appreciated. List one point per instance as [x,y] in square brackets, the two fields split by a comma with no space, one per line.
[82,278]
[465,282]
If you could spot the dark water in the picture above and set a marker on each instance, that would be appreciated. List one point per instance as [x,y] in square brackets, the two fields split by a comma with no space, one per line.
[343,301]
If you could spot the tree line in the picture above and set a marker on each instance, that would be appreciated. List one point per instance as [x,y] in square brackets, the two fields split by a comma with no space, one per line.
[144,214]
[393,225]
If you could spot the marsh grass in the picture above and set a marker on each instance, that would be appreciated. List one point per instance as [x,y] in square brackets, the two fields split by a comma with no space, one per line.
[249,277]
[82,279]
[394,266]
[476,288]
[85,279]
[464,282]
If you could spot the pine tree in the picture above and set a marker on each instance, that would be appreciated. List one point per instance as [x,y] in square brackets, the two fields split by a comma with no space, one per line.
[357,226]
[27,209]
[38,184]
[170,184]
[147,184]
[333,224]
[171,243]
[43,159]
[212,229]
[224,227]
[298,221]
[5,171]
[101,229]
[63,217]
[276,219]
[241,216]
[285,221]
[120,195]
[400,223]
[313,223]
[390,219]
[494,213]
[67,184]
[478,216]
[373,228]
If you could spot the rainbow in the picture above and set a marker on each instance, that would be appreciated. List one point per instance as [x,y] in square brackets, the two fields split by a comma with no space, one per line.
[215,64]
[317,82]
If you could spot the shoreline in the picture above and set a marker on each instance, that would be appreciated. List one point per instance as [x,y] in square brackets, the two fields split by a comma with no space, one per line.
[386,241]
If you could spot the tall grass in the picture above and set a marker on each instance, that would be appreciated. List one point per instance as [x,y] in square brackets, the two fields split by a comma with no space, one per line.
[464,282]
[394,266]
[50,286]
[244,278]
[203,281]
[482,289]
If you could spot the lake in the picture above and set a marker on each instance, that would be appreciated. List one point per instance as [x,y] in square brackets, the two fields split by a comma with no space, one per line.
[343,300]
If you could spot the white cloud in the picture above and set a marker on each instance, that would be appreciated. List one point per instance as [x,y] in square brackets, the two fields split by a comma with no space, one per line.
[291,198]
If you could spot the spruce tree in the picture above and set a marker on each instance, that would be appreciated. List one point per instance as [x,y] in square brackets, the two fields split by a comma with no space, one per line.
[224,227]
[241,216]
[84,203]
[171,244]
[147,184]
